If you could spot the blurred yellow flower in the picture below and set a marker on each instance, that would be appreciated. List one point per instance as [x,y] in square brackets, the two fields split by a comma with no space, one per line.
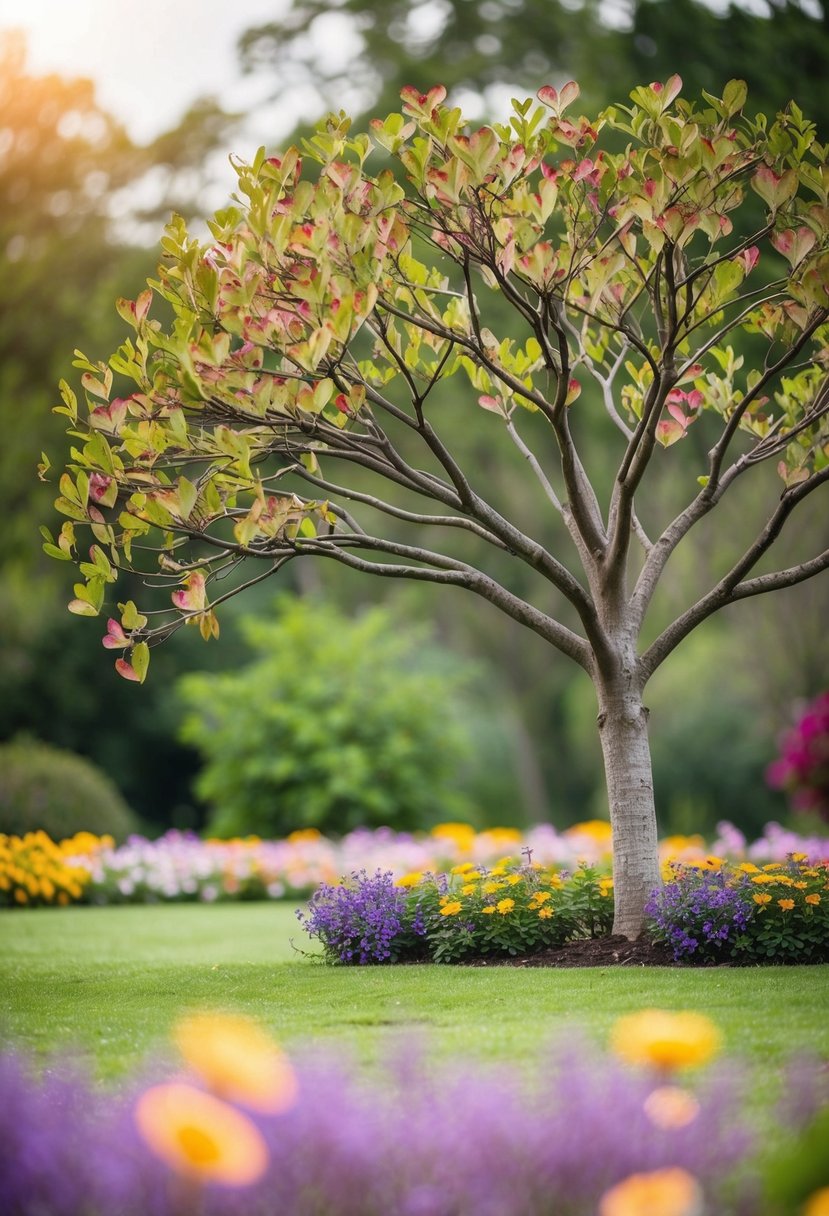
[452,908]
[505,906]
[462,868]
[460,833]
[748,867]
[488,910]
[598,829]
[669,1106]
[237,1060]
[761,879]
[785,904]
[666,1192]
[512,879]
[545,913]
[201,1136]
[468,889]
[664,1039]
[489,888]
[800,886]
[812,899]
[761,899]
[818,1203]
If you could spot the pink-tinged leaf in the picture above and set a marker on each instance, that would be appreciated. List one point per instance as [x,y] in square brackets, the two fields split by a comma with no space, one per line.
[774,188]
[558,101]
[109,418]
[696,399]
[792,477]
[793,244]
[573,391]
[82,608]
[569,93]
[192,598]
[549,96]
[124,669]
[668,432]
[422,103]
[103,489]
[142,305]
[673,87]
[114,638]
[94,386]
[492,404]
[679,415]
[748,258]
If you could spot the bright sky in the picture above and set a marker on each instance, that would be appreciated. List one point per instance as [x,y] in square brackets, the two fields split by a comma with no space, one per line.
[149,58]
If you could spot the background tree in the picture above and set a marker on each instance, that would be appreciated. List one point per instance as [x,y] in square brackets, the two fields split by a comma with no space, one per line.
[310,340]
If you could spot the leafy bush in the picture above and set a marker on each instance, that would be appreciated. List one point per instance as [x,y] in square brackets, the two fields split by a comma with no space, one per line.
[777,914]
[336,724]
[44,788]
[803,765]
[469,913]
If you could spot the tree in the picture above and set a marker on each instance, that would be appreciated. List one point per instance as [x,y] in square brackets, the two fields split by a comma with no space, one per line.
[310,337]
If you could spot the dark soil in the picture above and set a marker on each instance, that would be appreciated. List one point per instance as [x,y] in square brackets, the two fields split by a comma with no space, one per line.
[592,952]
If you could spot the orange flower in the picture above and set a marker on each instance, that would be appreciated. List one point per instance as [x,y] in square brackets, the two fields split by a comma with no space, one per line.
[785,904]
[545,913]
[666,1192]
[664,1039]
[814,900]
[201,1136]
[237,1060]
[761,899]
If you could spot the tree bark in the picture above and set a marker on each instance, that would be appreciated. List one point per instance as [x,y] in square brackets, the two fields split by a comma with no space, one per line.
[623,728]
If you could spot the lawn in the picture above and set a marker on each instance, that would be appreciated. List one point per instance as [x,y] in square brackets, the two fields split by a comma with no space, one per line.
[108,983]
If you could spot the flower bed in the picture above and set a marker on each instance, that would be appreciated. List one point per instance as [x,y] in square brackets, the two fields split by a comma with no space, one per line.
[245,1132]
[742,913]
[180,866]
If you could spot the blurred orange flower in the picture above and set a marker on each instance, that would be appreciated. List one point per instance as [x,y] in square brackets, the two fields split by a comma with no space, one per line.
[668,1192]
[665,1040]
[201,1136]
[237,1060]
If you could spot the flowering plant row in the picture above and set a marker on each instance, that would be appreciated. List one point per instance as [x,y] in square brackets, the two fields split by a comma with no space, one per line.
[246,1132]
[472,912]
[717,911]
[180,866]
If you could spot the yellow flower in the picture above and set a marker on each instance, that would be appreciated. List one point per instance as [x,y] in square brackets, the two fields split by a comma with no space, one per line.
[505,906]
[748,867]
[761,899]
[488,910]
[800,886]
[498,872]
[541,897]
[785,904]
[664,1039]
[666,1192]
[409,880]
[760,879]
[462,868]
[237,1060]
[452,908]
[512,879]
[800,856]
[773,865]
[669,1107]
[489,888]
[818,1203]
[469,889]
[201,1136]
[545,913]
[813,899]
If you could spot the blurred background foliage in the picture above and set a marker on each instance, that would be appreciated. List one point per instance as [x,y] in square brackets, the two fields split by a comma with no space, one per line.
[77,201]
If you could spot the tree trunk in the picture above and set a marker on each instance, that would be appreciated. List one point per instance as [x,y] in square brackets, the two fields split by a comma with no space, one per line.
[623,727]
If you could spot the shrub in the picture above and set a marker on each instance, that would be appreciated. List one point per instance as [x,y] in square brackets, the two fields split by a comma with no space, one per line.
[803,765]
[368,920]
[335,725]
[777,914]
[44,788]
[34,870]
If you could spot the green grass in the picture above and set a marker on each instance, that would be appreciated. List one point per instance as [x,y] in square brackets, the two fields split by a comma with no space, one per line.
[108,983]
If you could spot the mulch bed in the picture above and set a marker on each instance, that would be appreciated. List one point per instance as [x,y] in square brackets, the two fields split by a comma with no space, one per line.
[592,952]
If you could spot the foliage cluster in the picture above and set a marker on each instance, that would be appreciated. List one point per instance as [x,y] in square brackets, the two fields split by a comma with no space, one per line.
[246,1129]
[45,788]
[746,914]
[34,870]
[336,724]
[803,765]
[473,912]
